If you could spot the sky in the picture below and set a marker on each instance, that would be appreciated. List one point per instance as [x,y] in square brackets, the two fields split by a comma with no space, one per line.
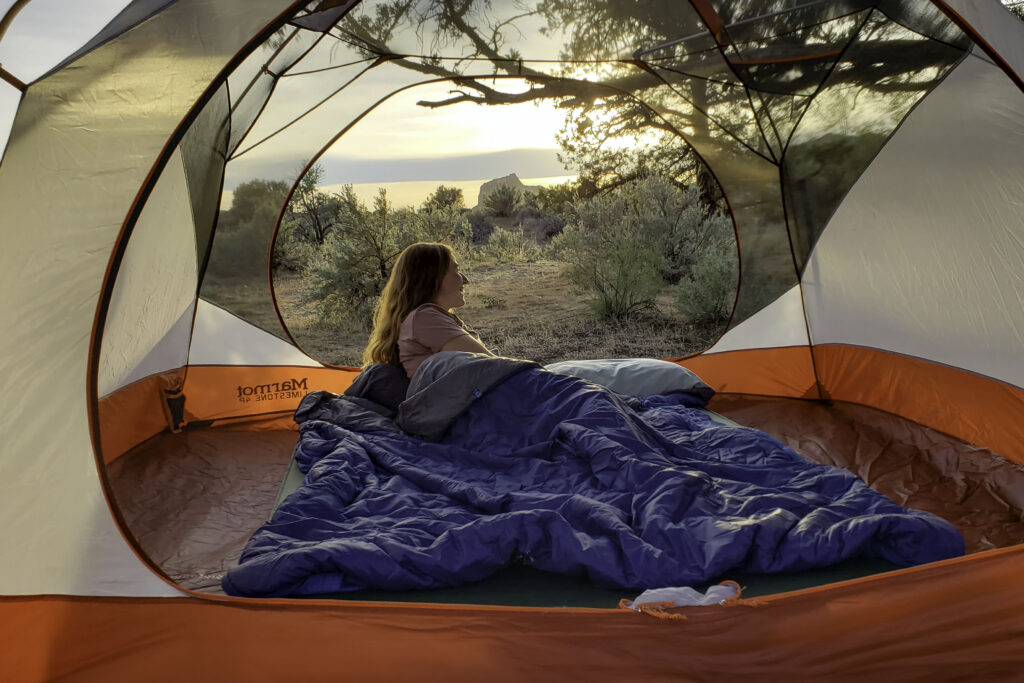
[410,148]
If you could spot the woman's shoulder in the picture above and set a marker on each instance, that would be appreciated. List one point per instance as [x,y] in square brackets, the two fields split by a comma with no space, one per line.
[428,327]
[431,306]
[426,317]
[429,310]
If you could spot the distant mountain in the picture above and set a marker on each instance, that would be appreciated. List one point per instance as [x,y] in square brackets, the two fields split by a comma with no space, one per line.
[511,179]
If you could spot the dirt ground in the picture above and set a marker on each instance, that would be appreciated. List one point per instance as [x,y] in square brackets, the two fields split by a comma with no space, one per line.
[522,310]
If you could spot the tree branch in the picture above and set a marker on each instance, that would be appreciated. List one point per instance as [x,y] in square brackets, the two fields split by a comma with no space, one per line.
[457,18]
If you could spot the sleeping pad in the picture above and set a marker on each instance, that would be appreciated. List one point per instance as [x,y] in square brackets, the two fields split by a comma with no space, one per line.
[515,464]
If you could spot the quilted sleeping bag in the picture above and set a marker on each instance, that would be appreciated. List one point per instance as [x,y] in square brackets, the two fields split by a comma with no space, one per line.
[508,463]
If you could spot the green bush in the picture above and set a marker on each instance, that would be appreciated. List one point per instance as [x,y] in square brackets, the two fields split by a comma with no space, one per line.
[707,294]
[444,197]
[481,225]
[504,200]
[609,250]
[695,233]
[344,282]
[539,225]
[678,223]
[239,251]
[346,275]
[239,254]
[624,246]
[448,224]
[558,199]
[291,251]
[510,246]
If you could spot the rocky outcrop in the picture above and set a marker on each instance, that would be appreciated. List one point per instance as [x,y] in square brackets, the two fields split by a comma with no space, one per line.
[511,179]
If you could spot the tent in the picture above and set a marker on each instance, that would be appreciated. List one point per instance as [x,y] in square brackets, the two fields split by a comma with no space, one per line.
[891,280]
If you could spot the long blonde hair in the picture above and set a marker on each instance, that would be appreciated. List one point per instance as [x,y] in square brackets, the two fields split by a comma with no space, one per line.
[415,280]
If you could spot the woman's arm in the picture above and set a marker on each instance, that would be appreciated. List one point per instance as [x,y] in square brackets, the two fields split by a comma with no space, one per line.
[465,342]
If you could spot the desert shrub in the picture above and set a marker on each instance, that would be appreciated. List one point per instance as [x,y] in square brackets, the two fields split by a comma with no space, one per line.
[510,246]
[538,224]
[313,211]
[444,197]
[481,225]
[448,224]
[706,295]
[678,223]
[291,250]
[346,275]
[694,233]
[344,282]
[624,246]
[255,201]
[240,245]
[239,254]
[608,248]
[558,199]
[493,302]
[503,201]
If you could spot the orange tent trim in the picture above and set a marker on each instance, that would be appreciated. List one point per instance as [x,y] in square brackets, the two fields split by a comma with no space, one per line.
[894,627]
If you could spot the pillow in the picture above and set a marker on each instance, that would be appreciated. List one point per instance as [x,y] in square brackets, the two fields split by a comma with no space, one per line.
[635,376]
[382,383]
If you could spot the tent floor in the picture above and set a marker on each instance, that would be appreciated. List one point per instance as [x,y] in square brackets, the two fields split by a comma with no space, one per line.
[191,500]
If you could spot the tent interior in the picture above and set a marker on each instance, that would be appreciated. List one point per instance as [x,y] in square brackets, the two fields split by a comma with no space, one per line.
[788,104]
[192,499]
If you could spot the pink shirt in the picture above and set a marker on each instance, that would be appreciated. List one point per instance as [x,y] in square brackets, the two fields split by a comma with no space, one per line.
[423,333]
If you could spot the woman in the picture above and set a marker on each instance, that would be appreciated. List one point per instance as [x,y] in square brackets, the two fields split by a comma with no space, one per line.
[413,319]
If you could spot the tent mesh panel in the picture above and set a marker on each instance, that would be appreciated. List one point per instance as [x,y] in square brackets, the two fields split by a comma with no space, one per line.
[765,102]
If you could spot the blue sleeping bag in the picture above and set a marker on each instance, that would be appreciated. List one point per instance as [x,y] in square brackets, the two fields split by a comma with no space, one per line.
[522,465]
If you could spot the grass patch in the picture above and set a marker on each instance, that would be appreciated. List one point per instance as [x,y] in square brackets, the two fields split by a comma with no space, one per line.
[521,310]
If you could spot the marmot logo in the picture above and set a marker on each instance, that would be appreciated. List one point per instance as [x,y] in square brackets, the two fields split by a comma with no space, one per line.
[290,388]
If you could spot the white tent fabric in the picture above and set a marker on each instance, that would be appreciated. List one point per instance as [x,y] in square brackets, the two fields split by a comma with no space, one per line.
[169,353]
[155,285]
[779,324]
[220,338]
[996,25]
[57,243]
[906,263]
[44,32]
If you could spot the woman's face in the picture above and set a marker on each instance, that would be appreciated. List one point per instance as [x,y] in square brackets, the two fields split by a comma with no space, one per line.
[450,295]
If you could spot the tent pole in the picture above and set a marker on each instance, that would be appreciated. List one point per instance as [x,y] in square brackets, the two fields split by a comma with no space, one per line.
[9,17]
[12,79]
[962,24]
